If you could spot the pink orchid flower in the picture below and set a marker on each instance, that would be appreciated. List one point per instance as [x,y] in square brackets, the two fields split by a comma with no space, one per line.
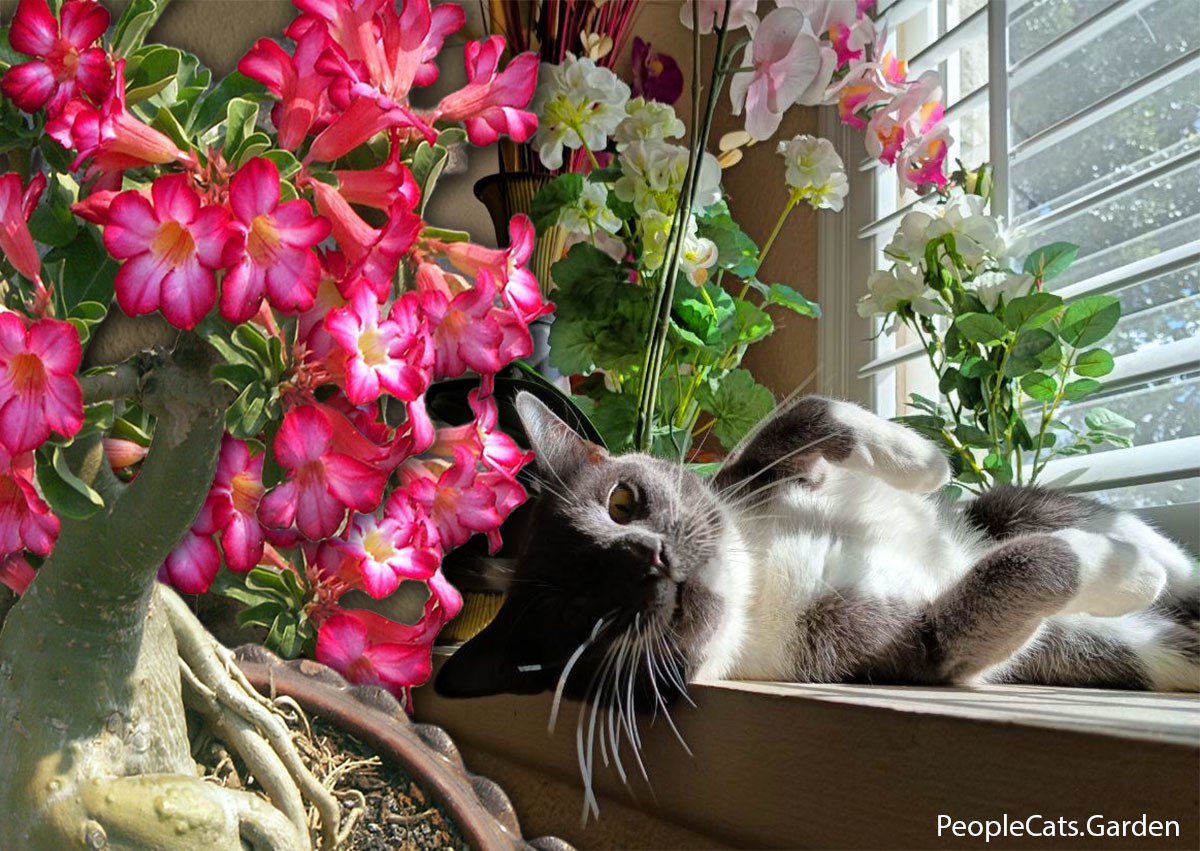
[171,249]
[38,389]
[322,482]
[923,162]
[786,59]
[65,60]
[384,550]
[276,258]
[519,287]
[16,573]
[470,332]
[656,75]
[16,206]
[712,12]
[111,136]
[372,253]
[393,355]
[490,104]
[25,520]
[368,649]
[486,443]
[235,496]
[295,80]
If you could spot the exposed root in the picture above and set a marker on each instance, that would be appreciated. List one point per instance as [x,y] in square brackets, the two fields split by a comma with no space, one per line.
[252,725]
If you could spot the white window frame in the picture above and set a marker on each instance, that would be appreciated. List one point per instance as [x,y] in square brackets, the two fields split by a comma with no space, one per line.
[849,365]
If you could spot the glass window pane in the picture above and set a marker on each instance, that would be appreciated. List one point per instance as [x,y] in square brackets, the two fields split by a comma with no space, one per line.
[1134,46]
[1161,410]
[1160,310]
[1039,22]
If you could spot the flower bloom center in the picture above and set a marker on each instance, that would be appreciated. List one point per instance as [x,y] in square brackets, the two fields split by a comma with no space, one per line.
[372,346]
[311,473]
[361,670]
[27,374]
[63,60]
[378,546]
[173,243]
[245,491]
[262,239]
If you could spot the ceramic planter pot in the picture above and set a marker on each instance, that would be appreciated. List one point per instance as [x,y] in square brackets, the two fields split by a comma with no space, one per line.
[478,806]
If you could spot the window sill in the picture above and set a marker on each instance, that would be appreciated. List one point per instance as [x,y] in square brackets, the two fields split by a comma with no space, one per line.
[832,766]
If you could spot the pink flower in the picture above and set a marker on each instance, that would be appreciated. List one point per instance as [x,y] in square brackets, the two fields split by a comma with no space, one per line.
[471,332]
[492,447]
[490,103]
[923,162]
[322,481]
[122,453]
[380,187]
[277,257]
[656,76]
[15,209]
[786,59]
[507,267]
[65,60]
[38,389]
[25,520]
[110,135]
[372,253]
[368,649]
[358,121]
[295,80]
[460,501]
[712,12]
[171,247]
[236,493]
[191,567]
[393,355]
[885,136]
[16,573]
[384,550]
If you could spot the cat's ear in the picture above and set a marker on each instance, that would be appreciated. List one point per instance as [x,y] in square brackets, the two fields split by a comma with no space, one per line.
[560,451]
[504,658]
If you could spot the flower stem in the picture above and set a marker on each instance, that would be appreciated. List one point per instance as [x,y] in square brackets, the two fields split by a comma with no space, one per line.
[793,200]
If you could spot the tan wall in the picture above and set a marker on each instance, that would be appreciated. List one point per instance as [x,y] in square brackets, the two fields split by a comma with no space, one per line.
[220,32]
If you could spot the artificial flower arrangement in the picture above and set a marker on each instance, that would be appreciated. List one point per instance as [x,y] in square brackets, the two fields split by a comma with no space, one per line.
[658,296]
[1007,354]
[265,410]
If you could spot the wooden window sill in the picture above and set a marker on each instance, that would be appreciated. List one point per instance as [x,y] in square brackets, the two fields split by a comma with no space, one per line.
[849,766]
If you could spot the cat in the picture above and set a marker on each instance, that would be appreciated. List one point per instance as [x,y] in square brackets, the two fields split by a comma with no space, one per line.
[820,552]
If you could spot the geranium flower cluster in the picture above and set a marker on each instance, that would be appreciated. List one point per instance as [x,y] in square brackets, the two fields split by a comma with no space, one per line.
[812,52]
[297,247]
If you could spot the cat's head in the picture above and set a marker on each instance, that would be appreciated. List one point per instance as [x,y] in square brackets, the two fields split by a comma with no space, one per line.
[620,577]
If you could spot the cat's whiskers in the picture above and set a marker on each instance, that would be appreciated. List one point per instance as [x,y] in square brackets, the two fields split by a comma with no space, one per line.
[735,486]
[562,678]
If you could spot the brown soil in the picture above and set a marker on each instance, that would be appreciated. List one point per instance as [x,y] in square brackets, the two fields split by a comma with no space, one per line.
[390,811]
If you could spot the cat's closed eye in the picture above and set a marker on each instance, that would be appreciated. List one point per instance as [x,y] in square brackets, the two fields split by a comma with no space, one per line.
[622,503]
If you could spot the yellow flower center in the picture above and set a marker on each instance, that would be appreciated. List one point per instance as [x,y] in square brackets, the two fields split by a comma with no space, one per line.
[27,374]
[245,492]
[173,243]
[373,347]
[378,546]
[262,240]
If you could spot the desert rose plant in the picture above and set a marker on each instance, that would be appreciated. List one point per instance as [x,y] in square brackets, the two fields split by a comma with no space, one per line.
[217,331]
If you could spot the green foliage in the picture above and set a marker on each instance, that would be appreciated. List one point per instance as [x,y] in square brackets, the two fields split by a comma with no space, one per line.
[135,22]
[737,404]
[253,367]
[65,493]
[274,599]
[548,204]
[1050,261]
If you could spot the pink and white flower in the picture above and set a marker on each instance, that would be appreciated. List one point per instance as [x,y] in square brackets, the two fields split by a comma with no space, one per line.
[171,247]
[294,79]
[368,649]
[492,103]
[787,61]
[234,499]
[506,266]
[481,437]
[65,61]
[39,393]
[276,257]
[459,501]
[16,206]
[392,355]
[25,520]
[384,550]
[470,332]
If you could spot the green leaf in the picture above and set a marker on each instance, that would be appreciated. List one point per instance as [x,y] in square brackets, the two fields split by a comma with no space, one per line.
[1035,349]
[445,234]
[924,423]
[451,136]
[1075,390]
[980,328]
[1093,363]
[212,109]
[703,319]
[52,222]
[240,118]
[785,296]
[614,415]
[1102,419]
[737,403]
[752,323]
[149,70]
[1039,386]
[65,492]
[977,367]
[584,266]
[1052,260]
[573,347]
[1089,320]
[736,251]
[88,271]
[285,161]
[428,163]
[133,25]
[85,316]
[1030,311]
[920,402]
[970,435]
[562,191]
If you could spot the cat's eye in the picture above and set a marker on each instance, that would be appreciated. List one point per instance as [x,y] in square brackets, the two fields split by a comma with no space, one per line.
[622,502]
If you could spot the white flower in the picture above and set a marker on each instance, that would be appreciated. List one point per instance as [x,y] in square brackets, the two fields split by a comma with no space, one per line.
[656,227]
[977,236]
[908,243]
[590,213]
[647,119]
[815,169]
[577,104]
[602,240]
[996,288]
[652,173]
[699,254]
[890,290]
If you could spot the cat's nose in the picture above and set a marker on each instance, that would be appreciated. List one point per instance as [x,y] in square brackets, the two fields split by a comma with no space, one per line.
[660,561]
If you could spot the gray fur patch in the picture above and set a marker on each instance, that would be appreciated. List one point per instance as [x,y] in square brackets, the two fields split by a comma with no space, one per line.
[1075,654]
[845,638]
[1008,510]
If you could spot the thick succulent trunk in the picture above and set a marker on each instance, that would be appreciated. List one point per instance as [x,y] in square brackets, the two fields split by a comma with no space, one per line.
[93,741]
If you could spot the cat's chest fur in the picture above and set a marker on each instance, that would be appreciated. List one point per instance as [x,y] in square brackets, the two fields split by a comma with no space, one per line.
[855,539]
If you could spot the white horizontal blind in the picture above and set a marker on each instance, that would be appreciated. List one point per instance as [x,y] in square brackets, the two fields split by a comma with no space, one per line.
[1099,124]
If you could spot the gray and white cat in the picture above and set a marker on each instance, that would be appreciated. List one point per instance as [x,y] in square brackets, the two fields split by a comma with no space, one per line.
[819,553]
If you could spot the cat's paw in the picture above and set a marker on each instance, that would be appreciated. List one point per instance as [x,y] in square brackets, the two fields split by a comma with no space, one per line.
[1115,577]
[891,451]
